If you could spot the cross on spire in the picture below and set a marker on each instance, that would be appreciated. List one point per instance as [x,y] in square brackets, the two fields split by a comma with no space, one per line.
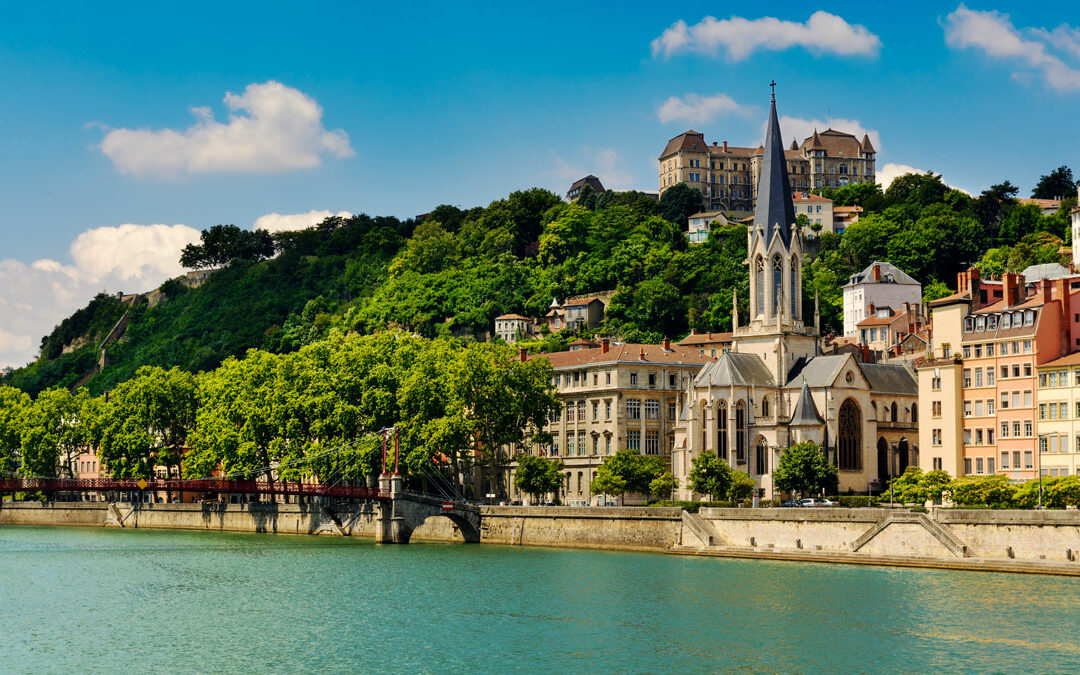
[772,85]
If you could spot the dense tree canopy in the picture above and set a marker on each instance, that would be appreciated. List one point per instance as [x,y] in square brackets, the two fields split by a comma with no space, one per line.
[1058,184]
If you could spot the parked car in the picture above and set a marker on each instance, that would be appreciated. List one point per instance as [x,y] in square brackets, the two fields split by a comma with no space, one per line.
[816,501]
[790,503]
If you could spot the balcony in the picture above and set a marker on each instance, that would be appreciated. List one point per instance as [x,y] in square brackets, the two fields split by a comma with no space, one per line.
[901,426]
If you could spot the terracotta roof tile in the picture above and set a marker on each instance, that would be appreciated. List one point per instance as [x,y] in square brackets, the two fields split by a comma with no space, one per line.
[627,353]
[512,316]
[1069,360]
[705,338]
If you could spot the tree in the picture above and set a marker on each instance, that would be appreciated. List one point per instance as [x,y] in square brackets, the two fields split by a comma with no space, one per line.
[664,484]
[679,202]
[627,471]
[1057,184]
[13,408]
[916,487]
[222,244]
[146,422]
[804,469]
[607,482]
[53,433]
[742,486]
[537,476]
[710,475]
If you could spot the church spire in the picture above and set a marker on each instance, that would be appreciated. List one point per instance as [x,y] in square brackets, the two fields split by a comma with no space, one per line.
[774,211]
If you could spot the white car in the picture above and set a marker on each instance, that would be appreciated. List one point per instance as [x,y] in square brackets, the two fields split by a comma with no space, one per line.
[816,501]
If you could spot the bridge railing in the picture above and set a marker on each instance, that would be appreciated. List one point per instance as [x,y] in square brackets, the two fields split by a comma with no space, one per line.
[199,485]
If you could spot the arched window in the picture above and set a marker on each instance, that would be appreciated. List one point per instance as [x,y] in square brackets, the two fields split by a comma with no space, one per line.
[764,406]
[740,432]
[761,460]
[892,413]
[721,430]
[704,426]
[796,287]
[778,283]
[914,412]
[759,275]
[849,436]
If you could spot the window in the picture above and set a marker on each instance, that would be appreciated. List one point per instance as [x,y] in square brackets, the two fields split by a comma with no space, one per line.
[570,444]
[978,409]
[990,376]
[1027,428]
[1004,400]
[595,377]
[1016,429]
[1004,429]
[722,431]
[967,377]
[671,410]
[633,439]
[633,409]
[595,410]
[849,436]
[967,351]
[633,379]
[1016,399]
[1004,372]
[652,409]
[672,381]
[1027,346]
[596,444]
[989,406]
[937,464]
[607,410]
[1006,322]
[761,456]
[978,377]
[967,408]
[607,378]
[1029,320]
[989,436]
[1042,380]
[581,442]
[978,437]
[1027,371]
[935,383]
[990,348]
[1028,459]
[652,380]
[1042,411]
[1027,399]
[577,377]
[607,445]
[570,412]
[1016,370]
[967,466]
[581,411]
[558,415]
[967,436]
[978,465]
[652,442]
[1004,460]
[935,408]
[740,432]
[935,435]
[1016,459]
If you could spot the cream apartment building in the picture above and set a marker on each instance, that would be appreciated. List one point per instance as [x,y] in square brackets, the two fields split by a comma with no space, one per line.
[614,397]
[1058,399]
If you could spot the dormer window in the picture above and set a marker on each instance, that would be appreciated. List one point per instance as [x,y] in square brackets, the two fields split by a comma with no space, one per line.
[980,324]
[969,324]
[991,322]
[1006,321]
[1029,318]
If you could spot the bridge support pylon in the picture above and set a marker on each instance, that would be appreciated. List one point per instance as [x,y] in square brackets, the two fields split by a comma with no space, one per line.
[398,518]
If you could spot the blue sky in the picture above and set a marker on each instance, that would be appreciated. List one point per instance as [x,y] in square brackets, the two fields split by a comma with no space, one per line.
[395,109]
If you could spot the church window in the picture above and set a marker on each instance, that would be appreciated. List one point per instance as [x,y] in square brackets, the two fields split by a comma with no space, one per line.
[796,287]
[721,431]
[740,432]
[849,436]
[765,406]
[761,461]
[778,284]
[759,267]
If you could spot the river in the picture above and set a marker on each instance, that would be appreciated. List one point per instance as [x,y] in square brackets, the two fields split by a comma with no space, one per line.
[81,599]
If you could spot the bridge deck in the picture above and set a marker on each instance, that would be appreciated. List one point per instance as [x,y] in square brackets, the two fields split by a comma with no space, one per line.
[202,485]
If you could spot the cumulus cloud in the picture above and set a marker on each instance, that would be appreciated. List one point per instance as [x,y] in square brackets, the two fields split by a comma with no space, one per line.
[271,128]
[994,34]
[280,222]
[600,162]
[800,128]
[35,297]
[890,172]
[822,33]
[697,109]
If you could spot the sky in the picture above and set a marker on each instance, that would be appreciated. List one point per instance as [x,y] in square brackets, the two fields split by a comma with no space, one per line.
[128,127]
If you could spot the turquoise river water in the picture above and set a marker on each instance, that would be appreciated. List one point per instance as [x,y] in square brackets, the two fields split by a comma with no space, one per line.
[75,599]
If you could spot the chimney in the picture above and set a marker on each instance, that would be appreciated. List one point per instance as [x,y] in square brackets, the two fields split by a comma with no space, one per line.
[877,272]
[972,285]
[725,146]
[523,354]
[667,344]
[1046,287]
[961,282]
[605,345]
[641,352]
[870,309]
[1009,290]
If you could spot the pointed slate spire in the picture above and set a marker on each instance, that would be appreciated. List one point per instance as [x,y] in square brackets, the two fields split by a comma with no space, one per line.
[806,413]
[867,146]
[815,143]
[774,210]
[794,145]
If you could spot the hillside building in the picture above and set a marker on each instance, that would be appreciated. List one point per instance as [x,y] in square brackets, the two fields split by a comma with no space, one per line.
[513,327]
[592,181]
[881,284]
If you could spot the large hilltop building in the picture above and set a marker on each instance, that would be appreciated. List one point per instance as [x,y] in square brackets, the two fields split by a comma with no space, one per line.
[773,388]
[727,175]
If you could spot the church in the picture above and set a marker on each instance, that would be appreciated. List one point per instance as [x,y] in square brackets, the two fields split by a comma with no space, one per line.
[774,388]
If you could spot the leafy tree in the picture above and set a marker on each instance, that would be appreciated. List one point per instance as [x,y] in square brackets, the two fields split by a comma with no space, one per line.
[13,408]
[607,482]
[145,422]
[710,475]
[679,202]
[53,433]
[1057,184]
[935,290]
[804,469]
[222,244]
[537,476]
[916,487]
[664,484]
[742,486]
[996,492]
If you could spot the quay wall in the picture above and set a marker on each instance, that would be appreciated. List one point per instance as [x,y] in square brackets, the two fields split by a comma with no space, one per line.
[1020,541]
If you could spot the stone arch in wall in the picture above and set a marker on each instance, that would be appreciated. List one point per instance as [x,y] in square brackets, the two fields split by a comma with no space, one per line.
[903,458]
[722,430]
[761,456]
[883,461]
[849,436]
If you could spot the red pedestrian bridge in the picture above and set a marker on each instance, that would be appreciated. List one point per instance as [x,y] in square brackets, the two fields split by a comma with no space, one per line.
[196,485]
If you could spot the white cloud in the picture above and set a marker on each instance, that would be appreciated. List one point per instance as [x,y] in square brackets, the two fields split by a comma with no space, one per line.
[800,129]
[995,35]
[600,162]
[822,33]
[280,222]
[890,172]
[697,109]
[35,297]
[271,128]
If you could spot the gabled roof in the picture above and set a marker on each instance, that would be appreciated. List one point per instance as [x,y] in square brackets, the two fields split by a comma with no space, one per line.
[887,269]
[628,352]
[587,180]
[738,370]
[886,378]
[512,316]
[688,140]
[774,211]
[806,413]
[695,339]
[820,371]
[1033,273]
